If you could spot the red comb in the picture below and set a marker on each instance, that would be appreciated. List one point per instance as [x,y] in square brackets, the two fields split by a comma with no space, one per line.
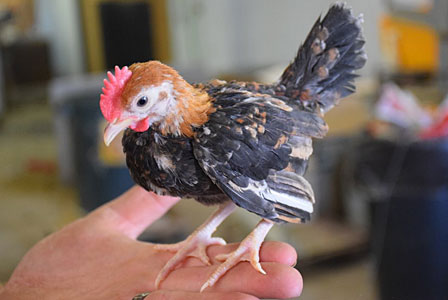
[110,98]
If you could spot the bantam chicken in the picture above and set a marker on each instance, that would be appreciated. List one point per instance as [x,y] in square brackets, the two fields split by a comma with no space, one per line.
[234,143]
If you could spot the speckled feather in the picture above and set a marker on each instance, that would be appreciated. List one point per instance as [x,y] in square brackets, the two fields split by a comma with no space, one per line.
[323,70]
[251,134]
[167,166]
[254,146]
[253,139]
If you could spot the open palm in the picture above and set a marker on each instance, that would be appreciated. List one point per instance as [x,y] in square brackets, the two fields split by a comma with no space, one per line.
[98,257]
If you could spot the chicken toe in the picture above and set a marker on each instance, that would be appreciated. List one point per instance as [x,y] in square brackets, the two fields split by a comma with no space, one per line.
[196,244]
[248,250]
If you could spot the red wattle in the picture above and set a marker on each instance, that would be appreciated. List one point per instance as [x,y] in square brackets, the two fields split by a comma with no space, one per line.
[141,125]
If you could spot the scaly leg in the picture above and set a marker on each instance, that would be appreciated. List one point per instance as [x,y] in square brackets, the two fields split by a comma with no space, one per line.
[248,250]
[196,244]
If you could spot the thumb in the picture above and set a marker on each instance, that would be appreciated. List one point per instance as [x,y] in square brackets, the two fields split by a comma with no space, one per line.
[133,211]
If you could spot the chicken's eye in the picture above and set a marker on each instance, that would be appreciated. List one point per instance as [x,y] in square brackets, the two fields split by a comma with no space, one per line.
[142,101]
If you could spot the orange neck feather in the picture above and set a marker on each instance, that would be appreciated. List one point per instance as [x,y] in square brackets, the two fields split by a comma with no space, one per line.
[193,108]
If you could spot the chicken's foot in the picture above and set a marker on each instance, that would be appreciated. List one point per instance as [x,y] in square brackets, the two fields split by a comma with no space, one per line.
[248,250]
[196,244]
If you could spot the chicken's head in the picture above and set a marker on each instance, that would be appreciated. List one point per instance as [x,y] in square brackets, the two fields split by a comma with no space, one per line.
[146,94]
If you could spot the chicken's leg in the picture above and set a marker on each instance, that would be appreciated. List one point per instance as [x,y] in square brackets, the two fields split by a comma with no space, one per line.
[248,250]
[196,244]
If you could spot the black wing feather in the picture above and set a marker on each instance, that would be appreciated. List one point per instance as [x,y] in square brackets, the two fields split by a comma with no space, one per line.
[251,157]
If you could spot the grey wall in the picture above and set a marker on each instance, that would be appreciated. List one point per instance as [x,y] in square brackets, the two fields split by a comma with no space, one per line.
[59,22]
[229,35]
[214,36]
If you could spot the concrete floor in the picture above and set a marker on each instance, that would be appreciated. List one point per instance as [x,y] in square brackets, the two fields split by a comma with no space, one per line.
[33,204]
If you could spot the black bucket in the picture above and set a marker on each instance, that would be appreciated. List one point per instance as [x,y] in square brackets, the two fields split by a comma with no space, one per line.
[96,182]
[408,188]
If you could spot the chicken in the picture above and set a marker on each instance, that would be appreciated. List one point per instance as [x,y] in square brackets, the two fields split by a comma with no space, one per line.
[234,143]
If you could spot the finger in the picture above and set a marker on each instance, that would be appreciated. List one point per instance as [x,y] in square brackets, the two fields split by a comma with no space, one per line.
[179,295]
[133,211]
[280,282]
[270,251]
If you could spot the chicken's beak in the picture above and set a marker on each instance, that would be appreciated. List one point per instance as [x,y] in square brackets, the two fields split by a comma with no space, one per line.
[114,128]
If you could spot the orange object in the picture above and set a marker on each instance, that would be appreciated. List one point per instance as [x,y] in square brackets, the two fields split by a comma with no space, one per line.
[409,46]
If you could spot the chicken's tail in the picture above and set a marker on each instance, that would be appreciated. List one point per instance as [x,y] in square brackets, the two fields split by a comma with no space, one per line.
[324,69]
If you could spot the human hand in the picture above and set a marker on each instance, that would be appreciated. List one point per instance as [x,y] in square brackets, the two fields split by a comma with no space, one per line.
[98,257]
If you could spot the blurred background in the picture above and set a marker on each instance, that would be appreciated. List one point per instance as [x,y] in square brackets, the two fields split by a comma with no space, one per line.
[380,177]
